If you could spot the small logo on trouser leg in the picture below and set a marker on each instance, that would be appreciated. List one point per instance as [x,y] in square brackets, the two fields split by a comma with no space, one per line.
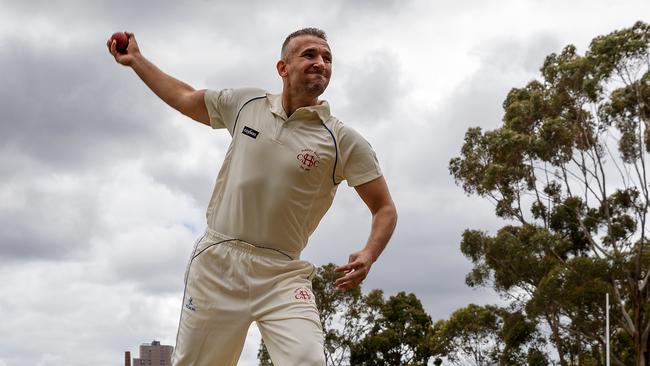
[303,294]
[190,305]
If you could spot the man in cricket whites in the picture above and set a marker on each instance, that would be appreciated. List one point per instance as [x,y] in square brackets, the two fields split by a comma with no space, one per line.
[287,156]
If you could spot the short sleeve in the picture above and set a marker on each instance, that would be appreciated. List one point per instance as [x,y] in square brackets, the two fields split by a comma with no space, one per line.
[359,162]
[223,105]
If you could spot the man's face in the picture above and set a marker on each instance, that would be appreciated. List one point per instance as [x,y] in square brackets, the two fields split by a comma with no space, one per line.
[308,66]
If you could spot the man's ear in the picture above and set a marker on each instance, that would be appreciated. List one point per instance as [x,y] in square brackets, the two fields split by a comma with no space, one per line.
[281,66]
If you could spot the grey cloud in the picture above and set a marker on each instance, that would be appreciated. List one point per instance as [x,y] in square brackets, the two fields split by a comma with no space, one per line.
[436,134]
[152,264]
[140,13]
[372,88]
[355,9]
[248,72]
[65,125]
[157,274]
[196,181]
[64,222]
[511,55]
[54,316]
[73,115]
[368,18]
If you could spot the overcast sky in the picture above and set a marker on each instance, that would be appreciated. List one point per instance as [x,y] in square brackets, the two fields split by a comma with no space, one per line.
[103,188]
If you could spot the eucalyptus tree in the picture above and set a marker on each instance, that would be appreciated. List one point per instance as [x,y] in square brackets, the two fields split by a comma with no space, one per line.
[567,171]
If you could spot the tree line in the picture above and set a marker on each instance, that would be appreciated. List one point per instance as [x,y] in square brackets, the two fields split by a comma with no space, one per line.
[567,172]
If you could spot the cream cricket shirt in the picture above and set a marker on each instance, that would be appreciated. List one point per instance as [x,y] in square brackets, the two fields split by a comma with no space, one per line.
[280,173]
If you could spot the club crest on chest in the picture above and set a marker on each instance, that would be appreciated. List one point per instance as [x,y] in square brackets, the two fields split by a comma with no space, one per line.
[308,159]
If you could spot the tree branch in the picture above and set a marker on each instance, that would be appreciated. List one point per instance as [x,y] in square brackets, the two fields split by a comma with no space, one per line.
[627,324]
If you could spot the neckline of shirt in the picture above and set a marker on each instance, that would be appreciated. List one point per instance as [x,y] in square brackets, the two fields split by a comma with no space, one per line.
[322,110]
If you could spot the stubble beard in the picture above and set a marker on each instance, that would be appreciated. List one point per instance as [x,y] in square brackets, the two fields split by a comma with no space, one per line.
[316,87]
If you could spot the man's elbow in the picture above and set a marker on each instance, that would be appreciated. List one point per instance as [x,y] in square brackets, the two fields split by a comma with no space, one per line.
[394,214]
[389,211]
[198,116]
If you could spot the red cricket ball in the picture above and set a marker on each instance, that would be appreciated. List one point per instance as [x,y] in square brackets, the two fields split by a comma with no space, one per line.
[121,41]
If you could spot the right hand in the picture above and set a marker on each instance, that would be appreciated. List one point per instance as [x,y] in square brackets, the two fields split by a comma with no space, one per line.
[132,50]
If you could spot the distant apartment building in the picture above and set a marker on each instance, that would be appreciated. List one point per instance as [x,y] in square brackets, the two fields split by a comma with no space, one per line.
[154,354]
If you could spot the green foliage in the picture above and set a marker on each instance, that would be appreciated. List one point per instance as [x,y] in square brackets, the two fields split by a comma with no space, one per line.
[400,334]
[515,259]
[619,50]
[263,355]
[567,168]
[483,335]
[470,334]
[341,312]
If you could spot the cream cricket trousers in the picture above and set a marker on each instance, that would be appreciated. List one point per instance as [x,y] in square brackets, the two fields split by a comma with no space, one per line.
[228,285]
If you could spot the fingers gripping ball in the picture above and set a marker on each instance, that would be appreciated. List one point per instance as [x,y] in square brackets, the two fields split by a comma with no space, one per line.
[121,41]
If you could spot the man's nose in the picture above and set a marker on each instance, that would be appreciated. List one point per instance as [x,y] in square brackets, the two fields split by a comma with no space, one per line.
[319,62]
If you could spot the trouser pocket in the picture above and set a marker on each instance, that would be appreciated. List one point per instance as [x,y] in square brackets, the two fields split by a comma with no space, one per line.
[189,261]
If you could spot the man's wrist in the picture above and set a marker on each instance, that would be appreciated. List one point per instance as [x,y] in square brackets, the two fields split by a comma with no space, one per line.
[137,61]
[372,252]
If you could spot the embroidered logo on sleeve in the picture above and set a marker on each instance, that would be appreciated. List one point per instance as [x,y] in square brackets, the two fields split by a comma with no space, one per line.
[308,159]
[303,294]
[250,132]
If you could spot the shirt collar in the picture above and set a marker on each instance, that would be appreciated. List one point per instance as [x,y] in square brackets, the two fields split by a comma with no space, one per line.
[322,110]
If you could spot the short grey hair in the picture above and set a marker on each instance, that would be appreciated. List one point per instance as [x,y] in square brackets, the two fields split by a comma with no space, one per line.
[301,32]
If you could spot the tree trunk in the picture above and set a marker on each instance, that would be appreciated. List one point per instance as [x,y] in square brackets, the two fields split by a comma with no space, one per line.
[639,347]
[554,323]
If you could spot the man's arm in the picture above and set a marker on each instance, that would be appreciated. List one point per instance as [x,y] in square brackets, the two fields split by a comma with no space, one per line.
[384,218]
[174,92]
